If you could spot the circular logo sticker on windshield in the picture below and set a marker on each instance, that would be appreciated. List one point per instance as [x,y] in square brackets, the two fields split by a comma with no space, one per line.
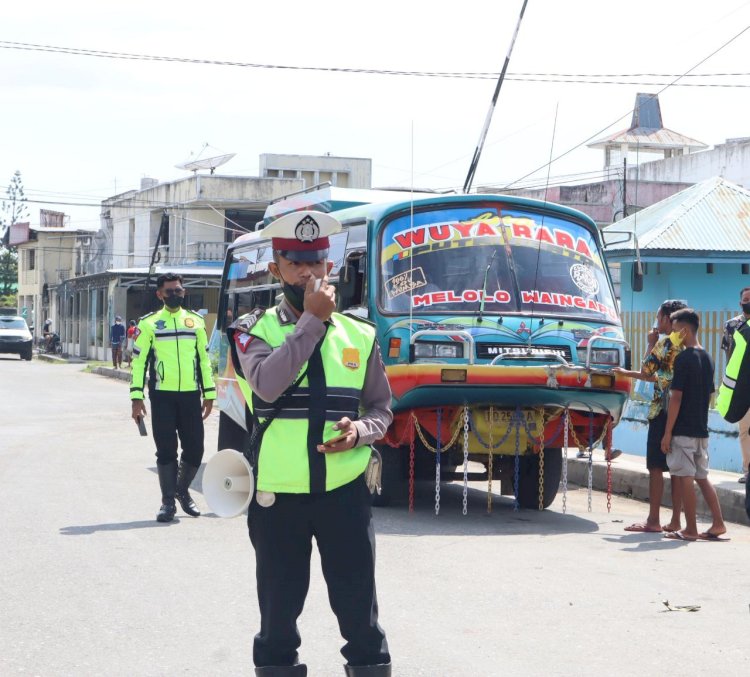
[584,278]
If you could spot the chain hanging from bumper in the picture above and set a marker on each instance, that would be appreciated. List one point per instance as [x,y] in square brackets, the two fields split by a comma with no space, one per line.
[591,458]
[412,445]
[608,455]
[437,460]
[517,463]
[566,427]
[489,463]
[466,459]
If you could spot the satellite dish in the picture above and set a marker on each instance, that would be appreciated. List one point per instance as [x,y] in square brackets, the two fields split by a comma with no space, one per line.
[205,160]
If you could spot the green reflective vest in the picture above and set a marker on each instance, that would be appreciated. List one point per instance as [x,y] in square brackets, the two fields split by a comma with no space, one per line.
[173,349]
[734,392]
[289,461]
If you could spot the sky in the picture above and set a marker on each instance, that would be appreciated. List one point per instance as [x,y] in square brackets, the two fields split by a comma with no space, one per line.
[81,129]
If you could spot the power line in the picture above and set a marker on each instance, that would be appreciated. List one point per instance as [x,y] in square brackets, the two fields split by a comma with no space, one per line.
[622,117]
[576,78]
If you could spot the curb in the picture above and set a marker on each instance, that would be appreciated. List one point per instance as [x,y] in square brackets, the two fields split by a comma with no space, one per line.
[111,372]
[630,478]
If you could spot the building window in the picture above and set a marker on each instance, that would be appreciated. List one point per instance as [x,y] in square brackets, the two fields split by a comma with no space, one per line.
[746,268]
[32,259]
[710,268]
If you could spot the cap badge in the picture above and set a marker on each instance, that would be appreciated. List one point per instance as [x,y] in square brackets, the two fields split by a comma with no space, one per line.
[307,230]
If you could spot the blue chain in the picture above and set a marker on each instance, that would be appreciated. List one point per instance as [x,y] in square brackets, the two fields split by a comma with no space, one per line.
[517,470]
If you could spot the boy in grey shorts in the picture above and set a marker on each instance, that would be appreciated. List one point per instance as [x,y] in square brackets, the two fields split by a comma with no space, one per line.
[685,440]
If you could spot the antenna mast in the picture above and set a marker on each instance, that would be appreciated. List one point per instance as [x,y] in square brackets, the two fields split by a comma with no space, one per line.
[488,119]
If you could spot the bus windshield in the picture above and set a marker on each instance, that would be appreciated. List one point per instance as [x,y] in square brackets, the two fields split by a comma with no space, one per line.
[449,260]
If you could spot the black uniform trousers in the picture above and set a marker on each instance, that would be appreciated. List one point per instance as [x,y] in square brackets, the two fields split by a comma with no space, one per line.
[175,414]
[341,522]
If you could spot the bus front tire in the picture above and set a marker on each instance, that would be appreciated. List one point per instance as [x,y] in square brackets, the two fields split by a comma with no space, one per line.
[394,480]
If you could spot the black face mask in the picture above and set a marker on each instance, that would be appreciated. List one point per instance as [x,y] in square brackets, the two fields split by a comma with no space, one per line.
[294,294]
[746,308]
[173,302]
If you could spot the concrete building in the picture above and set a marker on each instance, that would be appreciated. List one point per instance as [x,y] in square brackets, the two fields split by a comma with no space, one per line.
[46,258]
[181,226]
[343,172]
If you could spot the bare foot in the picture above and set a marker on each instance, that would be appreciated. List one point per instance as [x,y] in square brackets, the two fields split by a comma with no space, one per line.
[671,527]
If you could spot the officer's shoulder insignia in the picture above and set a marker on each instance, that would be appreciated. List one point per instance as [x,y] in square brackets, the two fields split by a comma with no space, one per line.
[160,324]
[350,358]
[283,316]
[243,340]
[189,322]
[247,322]
[143,317]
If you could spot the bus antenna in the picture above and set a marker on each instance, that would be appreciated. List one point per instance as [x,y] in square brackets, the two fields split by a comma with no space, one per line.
[488,119]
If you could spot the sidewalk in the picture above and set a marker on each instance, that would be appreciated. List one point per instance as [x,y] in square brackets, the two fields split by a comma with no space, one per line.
[630,478]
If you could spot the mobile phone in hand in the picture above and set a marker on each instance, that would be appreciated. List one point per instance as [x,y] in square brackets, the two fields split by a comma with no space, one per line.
[334,440]
[142,427]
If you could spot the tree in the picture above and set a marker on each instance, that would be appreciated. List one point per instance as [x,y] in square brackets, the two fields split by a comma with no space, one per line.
[13,210]
[14,206]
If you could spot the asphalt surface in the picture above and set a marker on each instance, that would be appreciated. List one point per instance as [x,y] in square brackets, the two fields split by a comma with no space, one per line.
[92,585]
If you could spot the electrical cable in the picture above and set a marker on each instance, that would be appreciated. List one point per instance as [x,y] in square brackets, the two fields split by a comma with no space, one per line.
[577,78]
[622,117]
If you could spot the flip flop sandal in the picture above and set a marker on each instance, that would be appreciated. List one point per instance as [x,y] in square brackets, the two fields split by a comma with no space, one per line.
[679,536]
[708,536]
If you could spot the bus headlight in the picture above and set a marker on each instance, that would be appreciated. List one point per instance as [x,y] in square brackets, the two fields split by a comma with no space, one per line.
[605,356]
[441,349]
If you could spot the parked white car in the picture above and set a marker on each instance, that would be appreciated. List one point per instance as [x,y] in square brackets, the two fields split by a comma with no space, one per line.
[15,336]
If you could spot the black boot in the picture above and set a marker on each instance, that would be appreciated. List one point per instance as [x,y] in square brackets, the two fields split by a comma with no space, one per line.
[382,670]
[282,671]
[168,484]
[185,475]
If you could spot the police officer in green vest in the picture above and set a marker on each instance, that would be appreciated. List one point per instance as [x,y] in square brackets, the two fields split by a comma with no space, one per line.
[733,401]
[319,376]
[170,347]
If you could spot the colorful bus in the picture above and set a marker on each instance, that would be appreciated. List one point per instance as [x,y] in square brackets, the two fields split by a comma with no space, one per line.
[497,322]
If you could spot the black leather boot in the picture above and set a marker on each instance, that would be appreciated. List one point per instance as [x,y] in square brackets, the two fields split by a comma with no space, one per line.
[282,671]
[382,670]
[185,475]
[168,484]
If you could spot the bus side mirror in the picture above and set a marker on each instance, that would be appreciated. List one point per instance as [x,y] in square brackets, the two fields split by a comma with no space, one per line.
[636,276]
[628,359]
[347,285]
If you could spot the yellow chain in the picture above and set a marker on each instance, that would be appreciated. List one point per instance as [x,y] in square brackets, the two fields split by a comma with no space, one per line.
[541,467]
[434,450]
[489,465]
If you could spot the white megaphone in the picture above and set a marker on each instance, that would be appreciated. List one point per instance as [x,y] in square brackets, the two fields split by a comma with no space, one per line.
[228,483]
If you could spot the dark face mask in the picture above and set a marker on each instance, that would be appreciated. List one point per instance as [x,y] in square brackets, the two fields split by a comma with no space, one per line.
[173,301]
[294,294]
[746,308]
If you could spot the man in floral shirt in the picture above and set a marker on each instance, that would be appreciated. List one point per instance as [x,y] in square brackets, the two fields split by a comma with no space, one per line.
[657,367]
[727,345]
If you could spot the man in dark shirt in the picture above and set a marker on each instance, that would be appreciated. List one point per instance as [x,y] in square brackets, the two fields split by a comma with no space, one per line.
[685,438]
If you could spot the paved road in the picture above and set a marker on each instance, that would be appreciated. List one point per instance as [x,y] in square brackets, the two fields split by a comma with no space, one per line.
[92,585]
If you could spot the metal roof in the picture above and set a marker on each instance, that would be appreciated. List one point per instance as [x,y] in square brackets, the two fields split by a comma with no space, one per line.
[711,216]
[649,139]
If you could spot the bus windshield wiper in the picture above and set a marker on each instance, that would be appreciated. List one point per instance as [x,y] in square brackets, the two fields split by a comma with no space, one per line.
[484,285]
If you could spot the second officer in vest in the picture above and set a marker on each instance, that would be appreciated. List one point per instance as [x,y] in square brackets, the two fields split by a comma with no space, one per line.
[170,349]
[313,456]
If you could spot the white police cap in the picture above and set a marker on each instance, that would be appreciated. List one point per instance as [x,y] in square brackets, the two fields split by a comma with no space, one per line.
[303,235]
